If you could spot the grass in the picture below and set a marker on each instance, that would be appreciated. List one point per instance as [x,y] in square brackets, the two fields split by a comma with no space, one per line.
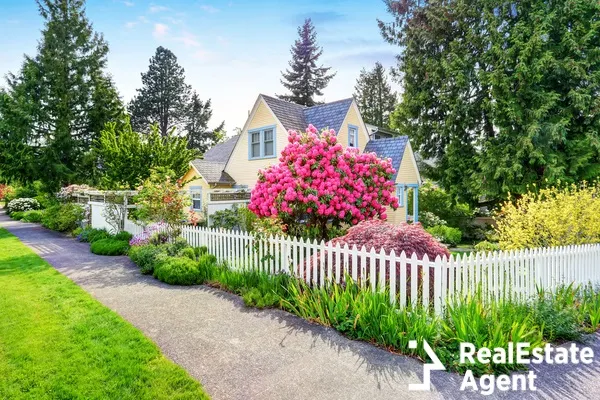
[57,342]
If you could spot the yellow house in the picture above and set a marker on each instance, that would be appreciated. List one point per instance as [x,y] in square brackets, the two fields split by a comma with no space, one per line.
[235,163]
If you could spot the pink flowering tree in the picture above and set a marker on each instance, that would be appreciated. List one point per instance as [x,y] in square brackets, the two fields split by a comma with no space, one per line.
[317,182]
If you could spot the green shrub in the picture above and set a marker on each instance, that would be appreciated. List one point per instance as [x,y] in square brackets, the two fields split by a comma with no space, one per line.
[22,204]
[17,215]
[63,217]
[123,235]
[178,271]
[33,216]
[98,234]
[189,253]
[110,247]
[486,246]
[557,312]
[255,298]
[146,257]
[446,234]
[200,251]
[175,248]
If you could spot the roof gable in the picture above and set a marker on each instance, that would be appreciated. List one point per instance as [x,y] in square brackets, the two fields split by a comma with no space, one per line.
[289,114]
[392,148]
[297,117]
[212,171]
[221,151]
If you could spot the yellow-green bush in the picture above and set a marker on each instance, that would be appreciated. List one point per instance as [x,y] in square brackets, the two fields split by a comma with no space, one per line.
[555,216]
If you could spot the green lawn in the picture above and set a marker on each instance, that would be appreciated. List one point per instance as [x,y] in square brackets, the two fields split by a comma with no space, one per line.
[57,342]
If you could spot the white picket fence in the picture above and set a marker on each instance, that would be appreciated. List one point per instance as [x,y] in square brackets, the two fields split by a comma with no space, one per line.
[495,275]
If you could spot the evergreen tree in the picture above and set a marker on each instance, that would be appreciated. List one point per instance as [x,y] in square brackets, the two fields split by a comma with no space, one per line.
[503,95]
[374,96]
[198,135]
[62,97]
[164,98]
[305,79]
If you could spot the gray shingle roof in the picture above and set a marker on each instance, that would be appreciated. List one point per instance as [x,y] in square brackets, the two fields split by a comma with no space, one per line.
[389,148]
[221,151]
[329,115]
[213,171]
[289,114]
[298,117]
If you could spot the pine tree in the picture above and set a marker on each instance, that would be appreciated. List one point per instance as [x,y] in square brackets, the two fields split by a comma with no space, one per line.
[164,98]
[62,95]
[305,79]
[502,95]
[198,135]
[374,96]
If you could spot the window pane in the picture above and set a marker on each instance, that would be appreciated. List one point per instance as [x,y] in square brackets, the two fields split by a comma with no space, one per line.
[269,148]
[196,204]
[268,135]
[255,150]
[256,137]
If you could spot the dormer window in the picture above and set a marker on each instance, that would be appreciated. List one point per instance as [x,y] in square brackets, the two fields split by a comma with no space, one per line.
[261,143]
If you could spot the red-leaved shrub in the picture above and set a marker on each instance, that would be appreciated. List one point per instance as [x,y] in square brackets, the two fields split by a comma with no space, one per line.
[410,238]
[376,234]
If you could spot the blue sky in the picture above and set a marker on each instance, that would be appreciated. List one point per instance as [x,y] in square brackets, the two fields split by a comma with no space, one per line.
[231,50]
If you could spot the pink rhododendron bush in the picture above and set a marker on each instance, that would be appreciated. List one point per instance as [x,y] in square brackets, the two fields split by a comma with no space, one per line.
[317,182]
[407,238]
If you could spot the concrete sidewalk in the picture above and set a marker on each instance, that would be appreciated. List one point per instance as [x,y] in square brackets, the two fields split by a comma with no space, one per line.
[242,353]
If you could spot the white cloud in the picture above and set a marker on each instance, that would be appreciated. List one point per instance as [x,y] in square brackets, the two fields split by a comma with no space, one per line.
[209,9]
[188,39]
[131,24]
[156,9]
[143,19]
[129,3]
[160,30]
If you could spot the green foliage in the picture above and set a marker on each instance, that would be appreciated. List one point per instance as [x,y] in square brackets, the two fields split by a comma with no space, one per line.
[304,79]
[501,94]
[486,246]
[443,205]
[161,101]
[129,157]
[189,253]
[236,218]
[49,323]
[446,234]
[161,198]
[123,235]
[89,234]
[32,216]
[59,101]
[109,247]
[375,97]
[178,271]
[199,136]
[175,248]
[590,308]
[146,257]
[486,325]
[63,217]
[17,215]
[558,313]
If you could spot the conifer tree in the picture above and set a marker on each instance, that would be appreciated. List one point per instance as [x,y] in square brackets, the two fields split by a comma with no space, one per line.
[164,97]
[62,97]
[198,135]
[502,94]
[375,97]
[304,79]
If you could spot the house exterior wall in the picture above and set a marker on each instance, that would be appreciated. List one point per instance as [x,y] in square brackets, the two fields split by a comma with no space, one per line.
[243,170]
[408,175]
[352,118]
[192,178]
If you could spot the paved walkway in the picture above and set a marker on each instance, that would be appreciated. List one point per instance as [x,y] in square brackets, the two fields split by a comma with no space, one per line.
[242,353]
